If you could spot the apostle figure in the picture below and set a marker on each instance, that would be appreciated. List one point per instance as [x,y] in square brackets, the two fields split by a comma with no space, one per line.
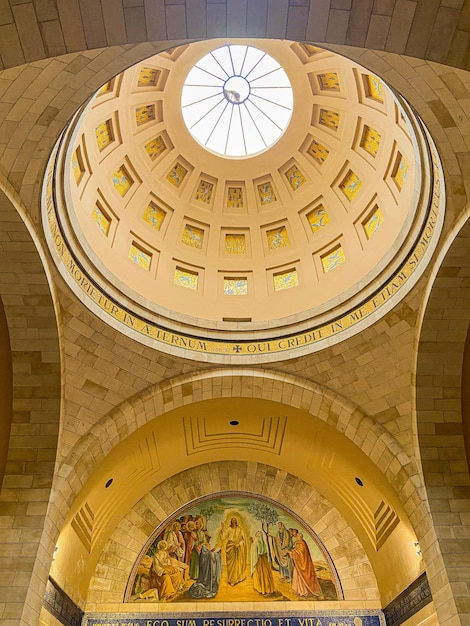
[263,581]
[189,540]
[176,543]
[282,543]
[210,571]
[199,540]
[167,574]
[304,579]
[235,552]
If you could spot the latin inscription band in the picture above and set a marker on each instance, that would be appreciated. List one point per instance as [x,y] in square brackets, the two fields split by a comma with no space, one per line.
[245,347]
[319,618]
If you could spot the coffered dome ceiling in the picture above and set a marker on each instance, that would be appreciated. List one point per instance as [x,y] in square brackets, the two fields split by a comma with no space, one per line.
[276,185]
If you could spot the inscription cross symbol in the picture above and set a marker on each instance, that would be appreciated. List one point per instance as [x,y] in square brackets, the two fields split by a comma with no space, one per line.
[237,348]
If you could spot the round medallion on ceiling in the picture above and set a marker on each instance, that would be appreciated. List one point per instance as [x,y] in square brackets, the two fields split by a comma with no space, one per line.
[256,199]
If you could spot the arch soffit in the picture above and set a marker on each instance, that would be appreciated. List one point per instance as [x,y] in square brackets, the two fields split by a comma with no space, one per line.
[28,294]
[446,300]
[30,312]
[315,21]
[319,402]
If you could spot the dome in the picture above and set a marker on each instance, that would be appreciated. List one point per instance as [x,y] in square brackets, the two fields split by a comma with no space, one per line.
[227,237]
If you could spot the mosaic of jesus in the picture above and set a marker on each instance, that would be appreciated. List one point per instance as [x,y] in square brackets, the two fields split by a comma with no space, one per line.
[233,548]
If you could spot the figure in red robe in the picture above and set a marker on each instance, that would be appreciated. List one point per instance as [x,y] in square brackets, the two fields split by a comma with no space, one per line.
[304,579]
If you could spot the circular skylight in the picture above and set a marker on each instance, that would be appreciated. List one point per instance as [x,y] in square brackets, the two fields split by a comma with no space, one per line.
[237,101]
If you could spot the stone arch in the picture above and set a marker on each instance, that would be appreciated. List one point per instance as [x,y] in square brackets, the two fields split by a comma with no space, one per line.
[355,572]
[439,383]
[36,389]
[330,407]
[438,33]
[134,426]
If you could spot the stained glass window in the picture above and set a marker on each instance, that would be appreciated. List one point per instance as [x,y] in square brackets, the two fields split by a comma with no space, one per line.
[332,259]
[318,218]
[374,88]
[193,236]
[295,177]
[185,278]
[102,220]
[373,222]
[204,191]
[154,215]
[104,134]
[285,280]
[351,185]
[329,81]
[140,257]
[77,165]
[235,244]
[370,140]
[235,286]
[266,193]
[176,175]
[148,77]
[401,171]
[144,114]
[277,238]
[122,180]
[318,152]
[155,147]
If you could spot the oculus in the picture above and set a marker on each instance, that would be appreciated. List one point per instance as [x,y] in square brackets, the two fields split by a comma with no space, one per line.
[237,101]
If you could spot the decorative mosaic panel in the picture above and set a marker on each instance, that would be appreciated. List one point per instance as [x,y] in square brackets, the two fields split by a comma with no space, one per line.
[235,244]
[193,236]
[375,88]
[154,215]
[370,140]
[235,286]
[277,238]
[285,280]
[373,222]
[266,193]
[318,152]
[329,81]
[104,134]
[295,177]
[176,175]
[155,147]
[333,259]
[235,198]
[401,172]
[78,168]
[148,77]
[204,191]
[141,258]
[122,180]
[185,278]
[318,218]
[144,114]
[221,521]
[330,119]
[351,185]
[102,220]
